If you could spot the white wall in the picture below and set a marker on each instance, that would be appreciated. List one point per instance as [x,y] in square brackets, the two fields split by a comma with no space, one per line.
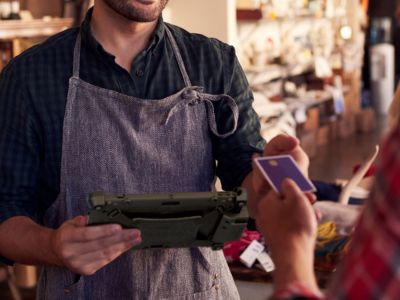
[213,18]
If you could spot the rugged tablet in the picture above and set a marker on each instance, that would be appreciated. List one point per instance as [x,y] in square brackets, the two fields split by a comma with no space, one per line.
[175,220]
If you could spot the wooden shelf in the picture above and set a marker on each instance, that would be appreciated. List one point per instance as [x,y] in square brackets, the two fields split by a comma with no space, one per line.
[259,75]
[252,15]
[14,29]
[249,14]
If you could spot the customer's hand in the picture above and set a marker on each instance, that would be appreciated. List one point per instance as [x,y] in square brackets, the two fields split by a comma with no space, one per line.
[288,218]
[86,249]
[281,144]
[289,225]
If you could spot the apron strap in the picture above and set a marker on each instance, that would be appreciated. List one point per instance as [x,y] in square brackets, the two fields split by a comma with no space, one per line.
[193,96]
[77,56]
[211,113]
[178,57]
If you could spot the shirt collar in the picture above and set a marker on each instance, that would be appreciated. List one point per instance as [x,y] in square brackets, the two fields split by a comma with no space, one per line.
[89,39]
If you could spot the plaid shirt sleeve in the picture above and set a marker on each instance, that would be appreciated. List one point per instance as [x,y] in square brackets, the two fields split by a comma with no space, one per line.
[19,149]
[372,267]
[234,153]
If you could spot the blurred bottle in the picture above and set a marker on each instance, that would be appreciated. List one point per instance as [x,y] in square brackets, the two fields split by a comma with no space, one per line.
[5,9]
[380,30]
[382,63]
[69,9]
[15,9]
[9,10]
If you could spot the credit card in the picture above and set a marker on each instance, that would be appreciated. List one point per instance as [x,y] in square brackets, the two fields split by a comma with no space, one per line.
[276,168]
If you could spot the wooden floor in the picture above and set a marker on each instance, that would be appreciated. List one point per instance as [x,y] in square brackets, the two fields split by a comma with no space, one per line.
[334,160]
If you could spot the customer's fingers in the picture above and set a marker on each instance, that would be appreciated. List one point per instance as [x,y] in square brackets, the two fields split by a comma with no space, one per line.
[290,190]
[311,197]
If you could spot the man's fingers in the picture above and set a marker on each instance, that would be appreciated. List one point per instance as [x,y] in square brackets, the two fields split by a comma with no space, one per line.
[260,184]
[91,233]
[127,235]
[255,169]
[89,263]
[79,221]
[281,144]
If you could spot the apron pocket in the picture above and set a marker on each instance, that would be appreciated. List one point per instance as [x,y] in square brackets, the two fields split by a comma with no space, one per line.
[59,283]
[75,289]
[211,294]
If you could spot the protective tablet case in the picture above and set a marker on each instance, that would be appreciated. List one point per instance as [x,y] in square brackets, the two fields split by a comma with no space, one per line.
[175,220]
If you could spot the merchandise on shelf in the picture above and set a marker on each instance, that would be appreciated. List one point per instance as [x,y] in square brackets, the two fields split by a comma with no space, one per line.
[10,10]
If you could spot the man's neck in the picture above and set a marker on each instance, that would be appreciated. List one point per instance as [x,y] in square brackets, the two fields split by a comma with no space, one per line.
[121,37]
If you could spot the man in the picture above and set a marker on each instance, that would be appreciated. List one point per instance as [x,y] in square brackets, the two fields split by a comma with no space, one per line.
[124,104]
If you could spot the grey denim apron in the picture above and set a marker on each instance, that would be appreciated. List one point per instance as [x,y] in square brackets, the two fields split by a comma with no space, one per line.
[121,144]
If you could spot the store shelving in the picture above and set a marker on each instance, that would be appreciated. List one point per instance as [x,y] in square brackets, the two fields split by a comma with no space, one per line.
[15,29]
[258,75]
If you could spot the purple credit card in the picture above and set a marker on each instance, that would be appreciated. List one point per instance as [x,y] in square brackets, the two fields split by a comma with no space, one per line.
[276,168]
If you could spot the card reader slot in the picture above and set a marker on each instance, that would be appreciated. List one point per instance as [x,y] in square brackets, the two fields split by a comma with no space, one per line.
[170,203]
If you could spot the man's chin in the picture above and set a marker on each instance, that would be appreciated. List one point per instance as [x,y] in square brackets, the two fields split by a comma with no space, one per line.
[146,2]
[141,18]
[139,11]
[142,12]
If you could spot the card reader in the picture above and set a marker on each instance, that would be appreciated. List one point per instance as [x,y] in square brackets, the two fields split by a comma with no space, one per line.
[175,220]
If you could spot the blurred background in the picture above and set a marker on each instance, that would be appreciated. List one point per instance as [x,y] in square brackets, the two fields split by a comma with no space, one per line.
[322,70]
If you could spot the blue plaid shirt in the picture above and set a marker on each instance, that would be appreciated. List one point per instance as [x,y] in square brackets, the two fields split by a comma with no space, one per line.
[33,93]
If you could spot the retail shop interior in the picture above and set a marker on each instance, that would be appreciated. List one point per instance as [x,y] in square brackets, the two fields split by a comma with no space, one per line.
[323,71]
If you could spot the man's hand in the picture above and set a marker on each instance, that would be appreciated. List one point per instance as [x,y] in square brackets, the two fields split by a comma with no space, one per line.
[286,144]
[255,182]
[86,249]
[289,225]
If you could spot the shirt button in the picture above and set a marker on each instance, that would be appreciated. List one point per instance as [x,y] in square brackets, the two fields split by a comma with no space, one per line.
[139,73]
[216,286]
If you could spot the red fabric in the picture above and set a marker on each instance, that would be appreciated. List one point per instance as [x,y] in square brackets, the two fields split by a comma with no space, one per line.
[371,171]
[232,250]
[372,267]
